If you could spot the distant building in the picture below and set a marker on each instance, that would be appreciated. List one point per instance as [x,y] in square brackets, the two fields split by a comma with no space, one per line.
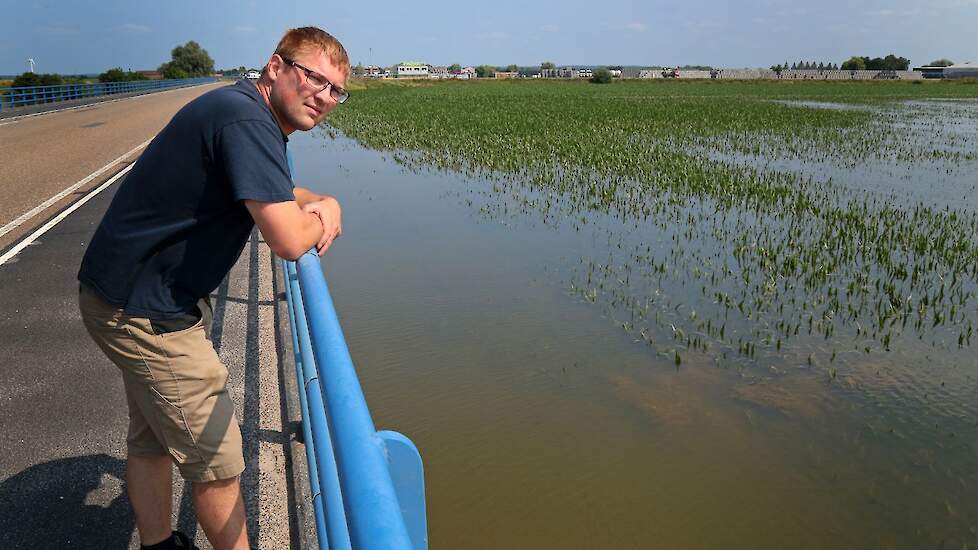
[373,71]
[615,73]
[962,70]
[566,72]
[928,71]
[439,72]
[506,74]
[152,75]
[584,73]
[411,70]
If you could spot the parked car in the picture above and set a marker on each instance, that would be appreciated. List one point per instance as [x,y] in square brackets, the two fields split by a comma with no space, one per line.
[252,75]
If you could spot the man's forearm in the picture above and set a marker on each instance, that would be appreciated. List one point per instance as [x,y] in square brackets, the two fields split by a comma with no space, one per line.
[304,196]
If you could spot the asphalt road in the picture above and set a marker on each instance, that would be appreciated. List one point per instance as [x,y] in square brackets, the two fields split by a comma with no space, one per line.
[63,414]
[45,154]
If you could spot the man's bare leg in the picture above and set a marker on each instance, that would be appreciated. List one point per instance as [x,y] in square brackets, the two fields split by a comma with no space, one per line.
[221,513]
[149,480]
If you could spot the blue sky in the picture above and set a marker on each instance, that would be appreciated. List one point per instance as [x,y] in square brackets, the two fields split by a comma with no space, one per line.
[87,36]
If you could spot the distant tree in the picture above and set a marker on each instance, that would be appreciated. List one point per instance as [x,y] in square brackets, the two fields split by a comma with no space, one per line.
[358,69]
[233,71]
[34,79]
[776,68]
[888,63]
[794,66]
[485,71]
[188,60]
[821,66]
[855,63]
[894,63]
[941,63]
[118,75]
[175,73]
[454,68]
[601,76]
[512,68]
[547,65]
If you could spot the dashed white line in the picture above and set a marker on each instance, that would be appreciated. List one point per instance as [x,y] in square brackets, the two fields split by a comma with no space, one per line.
[60,217]
[46,204]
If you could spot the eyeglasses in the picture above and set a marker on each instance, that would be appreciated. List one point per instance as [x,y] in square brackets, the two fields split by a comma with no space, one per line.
[317,80]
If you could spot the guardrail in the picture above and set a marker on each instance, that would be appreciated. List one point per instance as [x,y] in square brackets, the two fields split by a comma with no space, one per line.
[32,95]
[367,485]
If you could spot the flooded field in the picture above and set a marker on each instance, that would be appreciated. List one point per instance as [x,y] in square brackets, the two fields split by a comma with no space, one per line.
[672,315]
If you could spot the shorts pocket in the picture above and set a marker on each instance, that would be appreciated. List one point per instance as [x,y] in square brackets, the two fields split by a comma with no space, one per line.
[181,323]
[180,441]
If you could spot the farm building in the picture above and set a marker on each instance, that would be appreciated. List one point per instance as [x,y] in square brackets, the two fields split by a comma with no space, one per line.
[411,70]
[962,70]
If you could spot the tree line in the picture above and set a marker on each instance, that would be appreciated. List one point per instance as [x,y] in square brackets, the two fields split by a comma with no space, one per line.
[888,63]
[855,63]
[187,61]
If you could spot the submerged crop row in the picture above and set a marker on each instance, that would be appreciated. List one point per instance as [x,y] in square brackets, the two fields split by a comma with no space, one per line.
[706,245]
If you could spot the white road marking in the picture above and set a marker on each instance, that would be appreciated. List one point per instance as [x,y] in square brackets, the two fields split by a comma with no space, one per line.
[46,204]
[60,217]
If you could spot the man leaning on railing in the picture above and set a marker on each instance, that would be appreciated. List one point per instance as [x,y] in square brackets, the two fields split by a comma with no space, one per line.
[174,229]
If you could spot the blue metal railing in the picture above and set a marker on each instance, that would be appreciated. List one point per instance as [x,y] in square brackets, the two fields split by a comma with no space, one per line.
[33,95]
[367,486]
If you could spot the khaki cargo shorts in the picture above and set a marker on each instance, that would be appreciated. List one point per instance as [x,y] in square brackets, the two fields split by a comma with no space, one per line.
[175,386]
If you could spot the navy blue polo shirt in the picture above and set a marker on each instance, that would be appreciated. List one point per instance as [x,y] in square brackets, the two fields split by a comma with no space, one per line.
[177,224]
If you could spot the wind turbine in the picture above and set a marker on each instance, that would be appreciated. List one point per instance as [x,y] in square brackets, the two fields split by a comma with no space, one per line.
[30,64]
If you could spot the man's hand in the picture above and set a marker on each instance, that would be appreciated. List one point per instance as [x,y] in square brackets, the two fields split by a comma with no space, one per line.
[330,214]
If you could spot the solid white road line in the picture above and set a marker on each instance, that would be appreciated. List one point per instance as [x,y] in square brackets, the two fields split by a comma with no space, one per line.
[57,219]
[46,204]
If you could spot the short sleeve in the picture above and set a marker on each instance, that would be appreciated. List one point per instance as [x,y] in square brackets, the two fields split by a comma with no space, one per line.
[254,159]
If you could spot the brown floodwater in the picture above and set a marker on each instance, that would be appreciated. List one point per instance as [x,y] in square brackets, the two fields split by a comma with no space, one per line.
[544,422]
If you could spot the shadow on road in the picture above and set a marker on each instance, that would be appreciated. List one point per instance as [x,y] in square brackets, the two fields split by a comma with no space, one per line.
[77,502]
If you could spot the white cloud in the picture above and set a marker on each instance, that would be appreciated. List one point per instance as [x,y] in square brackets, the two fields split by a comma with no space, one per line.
[636,26]
[133,27]
[550,27]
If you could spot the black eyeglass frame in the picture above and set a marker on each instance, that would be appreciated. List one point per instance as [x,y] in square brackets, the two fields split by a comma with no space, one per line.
[337,93]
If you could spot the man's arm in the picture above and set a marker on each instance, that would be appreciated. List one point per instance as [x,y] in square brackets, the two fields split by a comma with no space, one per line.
[304,196]
[288,230]
[329,212]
